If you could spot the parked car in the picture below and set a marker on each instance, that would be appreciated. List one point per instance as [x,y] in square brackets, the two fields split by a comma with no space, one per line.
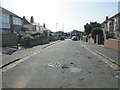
[74,38]
[62,38]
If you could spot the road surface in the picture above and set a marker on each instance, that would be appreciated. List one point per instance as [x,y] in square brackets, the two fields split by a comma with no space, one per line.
[66,64]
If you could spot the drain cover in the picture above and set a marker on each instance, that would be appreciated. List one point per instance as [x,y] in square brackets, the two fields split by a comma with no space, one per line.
[54,64]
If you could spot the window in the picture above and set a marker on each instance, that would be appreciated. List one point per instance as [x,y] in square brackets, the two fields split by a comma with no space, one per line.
[112,22]
[119,21]
[17,21]
[5,21]
[5,18]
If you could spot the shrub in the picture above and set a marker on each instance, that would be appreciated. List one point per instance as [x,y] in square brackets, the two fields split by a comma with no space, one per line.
[25,35]
[36,34]
[96,31]
[45,33]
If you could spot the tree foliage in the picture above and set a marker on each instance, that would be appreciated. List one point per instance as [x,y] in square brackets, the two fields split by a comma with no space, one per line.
[88,27]
[96,31]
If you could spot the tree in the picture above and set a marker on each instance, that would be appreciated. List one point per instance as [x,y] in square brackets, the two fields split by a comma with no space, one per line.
[88,27]
[96,31]
[97,35]
[95,24]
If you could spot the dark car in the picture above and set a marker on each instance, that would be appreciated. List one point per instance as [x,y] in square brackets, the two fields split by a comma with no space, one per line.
[74,38]
[62,38]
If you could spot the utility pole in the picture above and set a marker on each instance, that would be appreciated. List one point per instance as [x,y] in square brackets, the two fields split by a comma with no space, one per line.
[56,26]
[63,27]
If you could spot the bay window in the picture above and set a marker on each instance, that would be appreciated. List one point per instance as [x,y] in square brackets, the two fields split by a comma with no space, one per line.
[17,21]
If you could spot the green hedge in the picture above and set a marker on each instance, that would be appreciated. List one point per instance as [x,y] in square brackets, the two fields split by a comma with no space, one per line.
[25,36]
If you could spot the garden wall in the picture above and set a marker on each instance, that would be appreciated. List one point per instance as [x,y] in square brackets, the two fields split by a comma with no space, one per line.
[90,40]
[36,41]
[113,44]
[8,40]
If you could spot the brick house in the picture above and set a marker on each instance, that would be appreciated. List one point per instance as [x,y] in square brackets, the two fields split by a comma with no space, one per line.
[31,26]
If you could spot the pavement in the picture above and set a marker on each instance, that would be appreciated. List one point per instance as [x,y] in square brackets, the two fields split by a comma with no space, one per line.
[10,55]
[111,54]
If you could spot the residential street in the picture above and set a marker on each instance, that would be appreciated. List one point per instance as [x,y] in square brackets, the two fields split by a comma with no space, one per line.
[65,64]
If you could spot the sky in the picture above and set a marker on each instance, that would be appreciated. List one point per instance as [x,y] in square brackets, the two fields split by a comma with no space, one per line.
[59,14]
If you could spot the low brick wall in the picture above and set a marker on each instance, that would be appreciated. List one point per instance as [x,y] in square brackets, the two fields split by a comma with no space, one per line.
[36,41]
[90,40]
[9,40]
[113,44]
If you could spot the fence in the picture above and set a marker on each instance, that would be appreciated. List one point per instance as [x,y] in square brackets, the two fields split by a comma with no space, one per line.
[8,40]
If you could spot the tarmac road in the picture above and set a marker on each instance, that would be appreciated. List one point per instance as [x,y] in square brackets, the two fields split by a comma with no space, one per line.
[66,64]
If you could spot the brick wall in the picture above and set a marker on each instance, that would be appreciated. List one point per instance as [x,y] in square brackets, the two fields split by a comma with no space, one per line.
[113,44]
[90,40]
[36,41]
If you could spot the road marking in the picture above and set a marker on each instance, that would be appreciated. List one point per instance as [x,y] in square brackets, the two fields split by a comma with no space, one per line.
[54,64]
[104,58]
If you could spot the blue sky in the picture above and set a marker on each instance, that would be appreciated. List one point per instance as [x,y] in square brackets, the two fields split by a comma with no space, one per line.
[74,14]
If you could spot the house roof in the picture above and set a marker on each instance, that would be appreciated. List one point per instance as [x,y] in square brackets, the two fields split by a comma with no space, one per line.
[25,21]
[116,15]
[5,11]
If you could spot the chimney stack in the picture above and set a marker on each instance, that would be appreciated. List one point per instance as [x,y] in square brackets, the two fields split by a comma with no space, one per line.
[32,19]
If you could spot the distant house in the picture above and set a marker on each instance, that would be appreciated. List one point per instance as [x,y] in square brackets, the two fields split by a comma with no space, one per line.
[59,33]
[33,26]
[10,22]
[30,26]
[76,33]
